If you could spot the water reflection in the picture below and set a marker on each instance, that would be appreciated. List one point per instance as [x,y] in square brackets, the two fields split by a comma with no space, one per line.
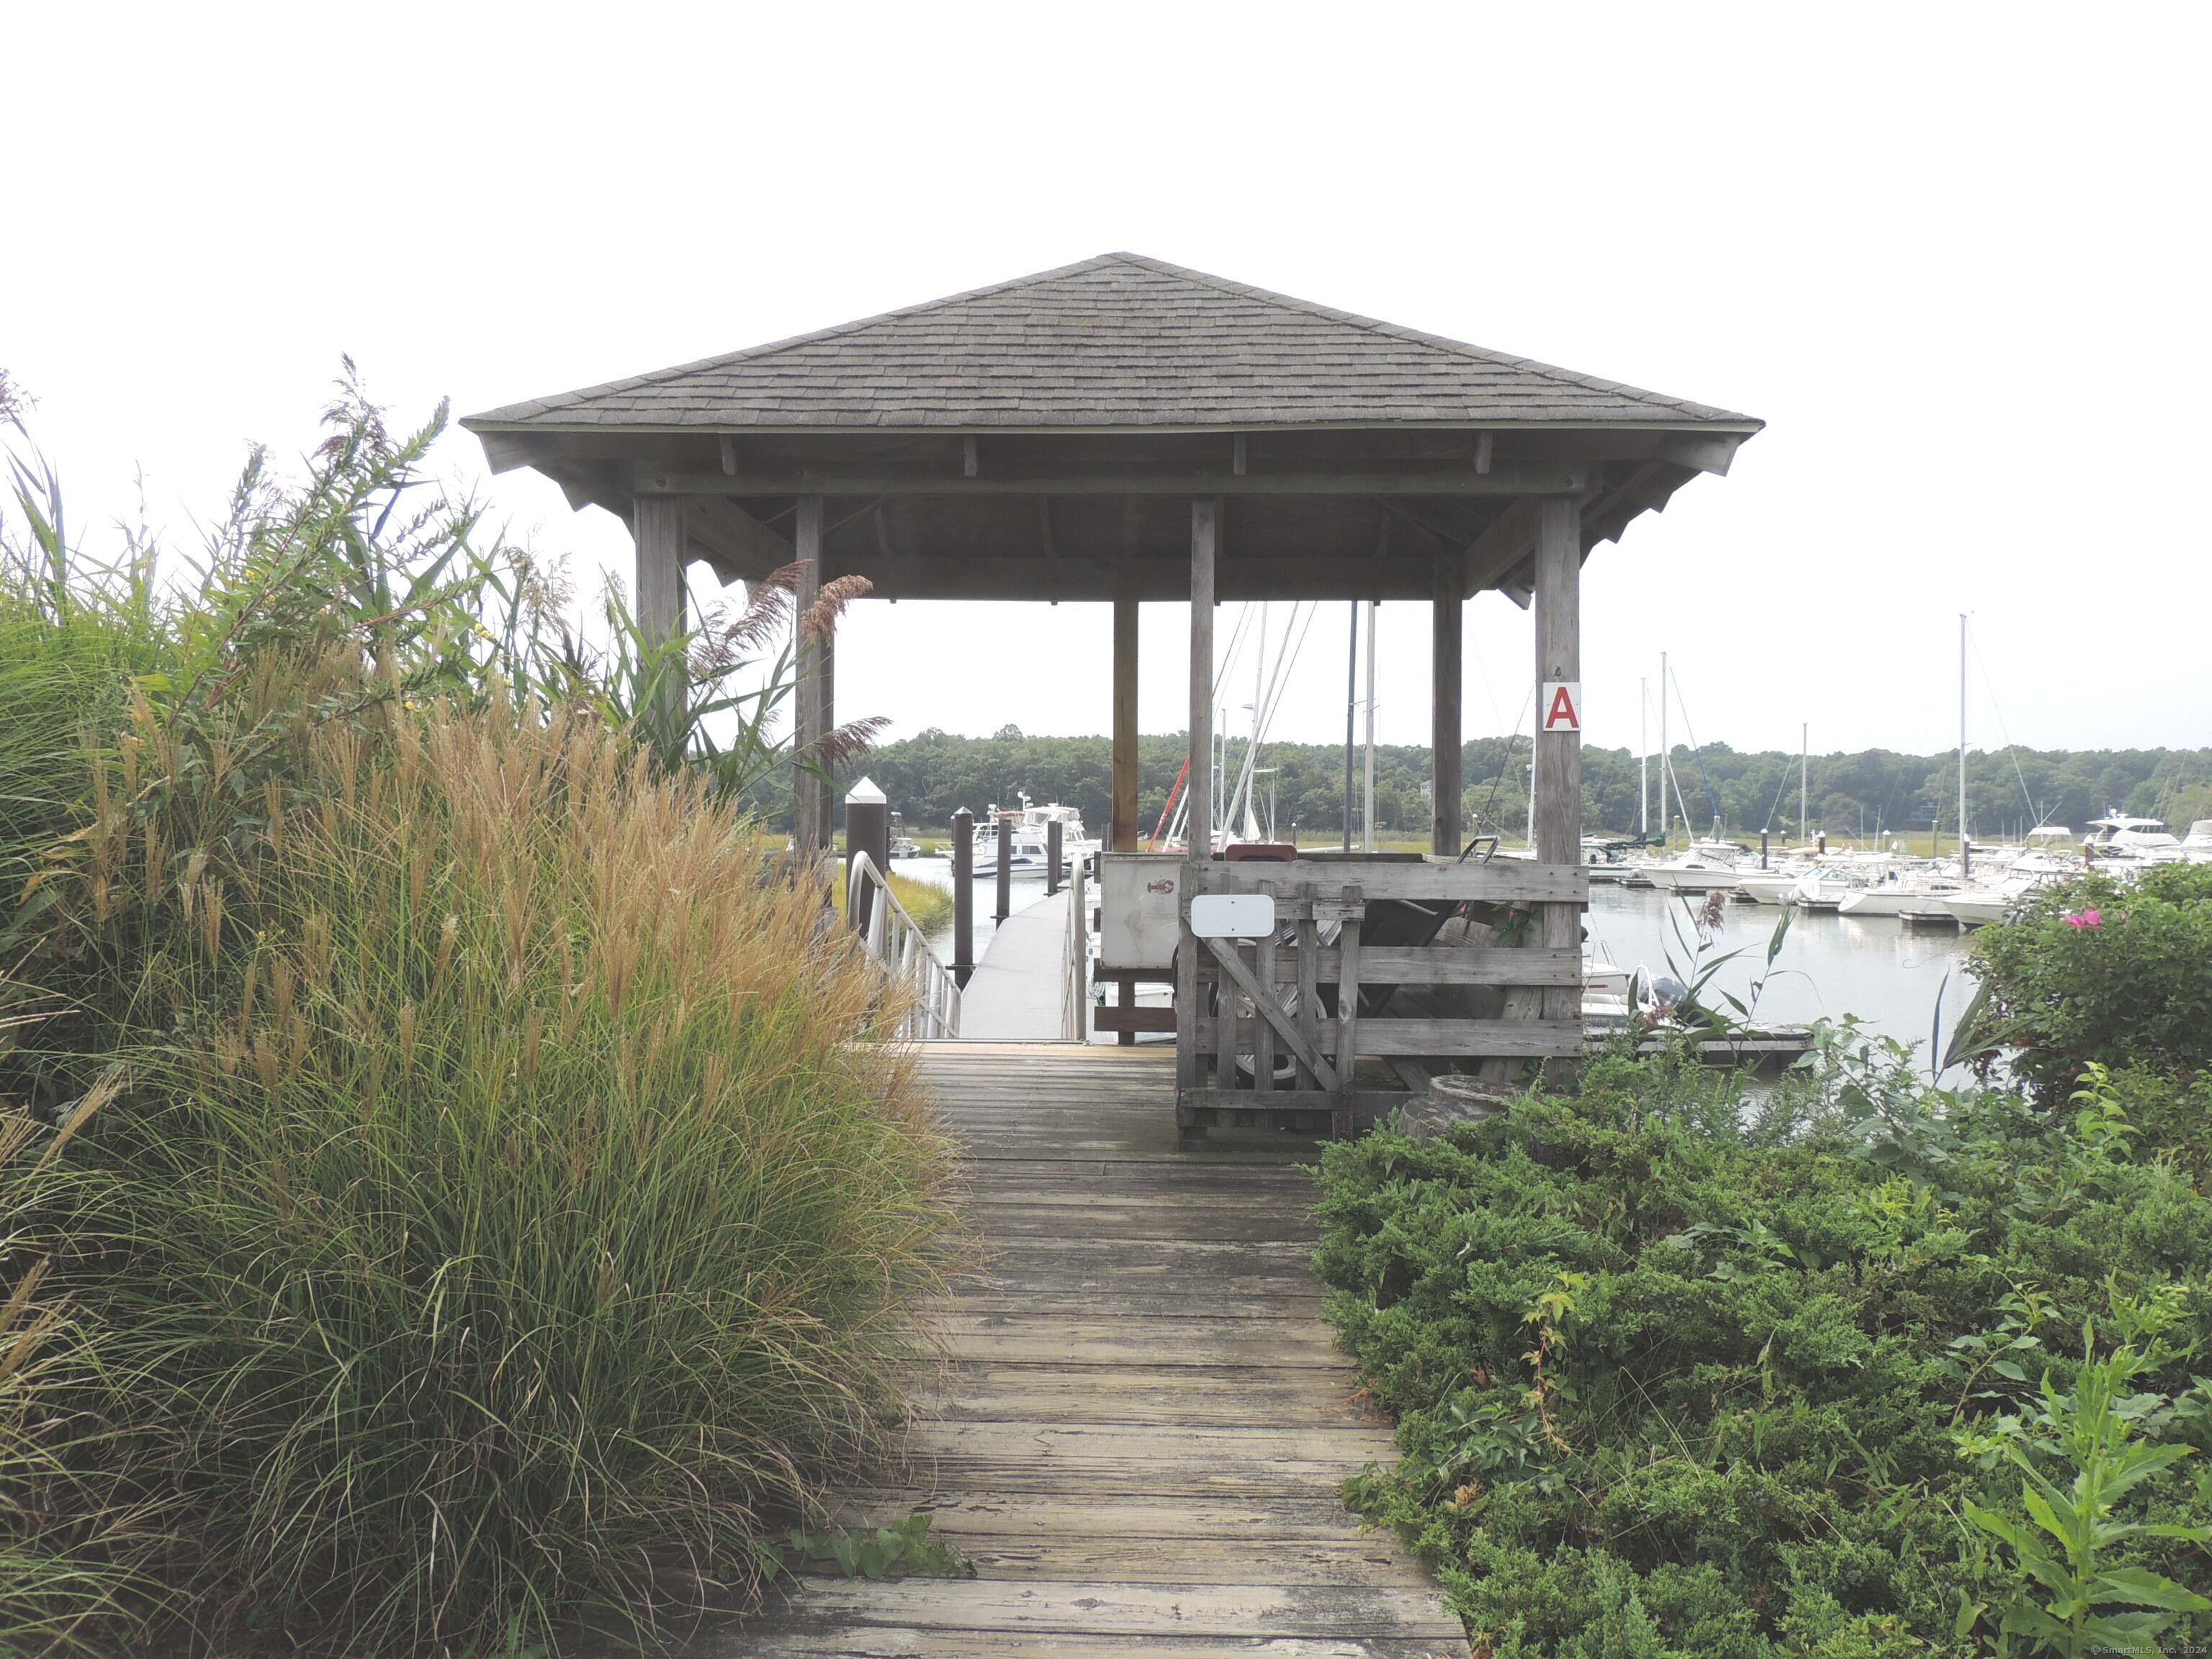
[1889,975]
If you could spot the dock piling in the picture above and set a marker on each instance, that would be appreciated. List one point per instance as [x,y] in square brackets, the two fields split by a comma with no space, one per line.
[1006,871]
[963,896]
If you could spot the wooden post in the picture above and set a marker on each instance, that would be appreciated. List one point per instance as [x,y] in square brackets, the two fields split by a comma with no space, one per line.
[810,794]
[1052,846]
[963,896]
[1205,528]
[656,534]
[825,721]
[1559,754]
[1005,882]
[1123,835]
[1204,535]
[1444,781]
[867,830]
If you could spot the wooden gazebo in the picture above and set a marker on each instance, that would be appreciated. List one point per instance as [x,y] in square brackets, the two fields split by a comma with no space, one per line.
[1124,429]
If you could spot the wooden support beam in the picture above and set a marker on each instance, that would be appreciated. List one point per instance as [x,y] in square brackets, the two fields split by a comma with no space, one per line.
[1505,478]
[1205,541]
[1482,453]
[1500,548]
[1445,783]
[950,574]
[657,530]
[1125,831]
[729,447]
[737,545]
[1559,753]
[810,793]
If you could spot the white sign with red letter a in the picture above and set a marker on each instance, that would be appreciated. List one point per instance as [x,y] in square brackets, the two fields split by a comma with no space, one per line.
[1562,706]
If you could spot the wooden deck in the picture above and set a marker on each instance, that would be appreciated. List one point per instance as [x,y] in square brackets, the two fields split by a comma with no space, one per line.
[1144,1424]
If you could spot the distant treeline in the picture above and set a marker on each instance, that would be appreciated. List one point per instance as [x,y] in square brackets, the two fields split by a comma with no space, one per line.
[929,776]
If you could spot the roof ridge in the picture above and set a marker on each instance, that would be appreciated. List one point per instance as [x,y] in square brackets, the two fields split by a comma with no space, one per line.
[698,365]
[1395,330]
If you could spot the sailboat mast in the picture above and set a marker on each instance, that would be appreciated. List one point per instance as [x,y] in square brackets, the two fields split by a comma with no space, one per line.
[1666,755]
[1966,852]
[1367,813]
[1804,749]
[1644,757]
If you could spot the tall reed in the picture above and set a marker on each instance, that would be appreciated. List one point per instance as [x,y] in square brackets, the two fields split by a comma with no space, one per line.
[513,1220]
[440,1187]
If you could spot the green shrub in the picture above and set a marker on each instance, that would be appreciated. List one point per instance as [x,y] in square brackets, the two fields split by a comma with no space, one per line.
[2093,969]
[1675,1377]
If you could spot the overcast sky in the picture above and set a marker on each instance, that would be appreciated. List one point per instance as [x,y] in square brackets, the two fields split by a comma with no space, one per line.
[1953,256]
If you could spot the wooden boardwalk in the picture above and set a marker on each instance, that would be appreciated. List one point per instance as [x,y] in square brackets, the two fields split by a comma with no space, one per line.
[1144,1424]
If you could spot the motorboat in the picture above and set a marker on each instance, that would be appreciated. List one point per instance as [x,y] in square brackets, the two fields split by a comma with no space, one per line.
[1708,866]
[2197,845]
[1778,886]
[1030,825]
[2137,840]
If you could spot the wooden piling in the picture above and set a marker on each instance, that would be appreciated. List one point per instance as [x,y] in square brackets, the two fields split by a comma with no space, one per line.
[1052,846]
[963,896]
[1005,884]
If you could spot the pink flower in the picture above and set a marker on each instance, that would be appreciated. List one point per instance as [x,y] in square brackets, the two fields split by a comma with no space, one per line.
[2084,918]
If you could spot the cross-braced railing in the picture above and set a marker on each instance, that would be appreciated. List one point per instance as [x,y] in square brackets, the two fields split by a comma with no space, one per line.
[898,947]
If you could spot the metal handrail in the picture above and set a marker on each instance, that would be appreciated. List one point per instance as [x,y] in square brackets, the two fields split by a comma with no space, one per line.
[1075,1020]
[897,946]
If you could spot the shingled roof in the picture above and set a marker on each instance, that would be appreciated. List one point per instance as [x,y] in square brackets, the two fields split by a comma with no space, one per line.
[1119,341]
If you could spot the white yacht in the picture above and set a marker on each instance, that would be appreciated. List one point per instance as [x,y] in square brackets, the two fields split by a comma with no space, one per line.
[2197,845]
[1030,846]
[2131,840]
[1708,866]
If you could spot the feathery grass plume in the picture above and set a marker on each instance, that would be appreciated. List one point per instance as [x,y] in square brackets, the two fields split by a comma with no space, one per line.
[76,1544]
[500,1216]
[461,1320]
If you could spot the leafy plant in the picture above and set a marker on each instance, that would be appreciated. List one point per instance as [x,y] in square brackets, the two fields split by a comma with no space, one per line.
[904,1549]
[2132,989]
[2074,1597]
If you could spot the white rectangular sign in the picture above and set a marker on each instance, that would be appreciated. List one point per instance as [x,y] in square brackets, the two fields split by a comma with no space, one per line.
[1562,706]
[1232,915]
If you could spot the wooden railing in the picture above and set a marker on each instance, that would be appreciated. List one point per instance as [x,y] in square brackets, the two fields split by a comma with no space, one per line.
[898,947]
[1296,991]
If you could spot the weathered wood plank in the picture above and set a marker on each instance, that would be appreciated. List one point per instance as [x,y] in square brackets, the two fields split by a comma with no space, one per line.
[1138,1339]
[1135,1422]
[1438,964]
[1505,881]
[1186,1395]
[830,1641]
[1099,1610]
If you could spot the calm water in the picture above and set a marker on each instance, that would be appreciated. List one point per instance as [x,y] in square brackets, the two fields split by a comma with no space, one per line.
[1888,974]
[1877,968]
[1028,887]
